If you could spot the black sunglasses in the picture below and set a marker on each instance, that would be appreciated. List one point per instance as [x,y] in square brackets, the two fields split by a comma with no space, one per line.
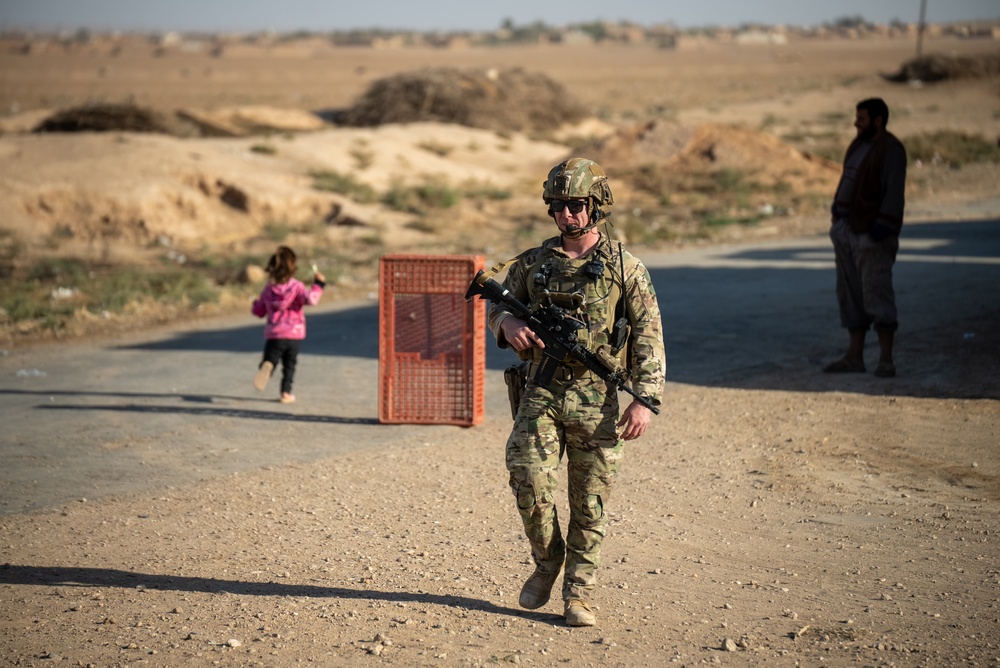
[574,205]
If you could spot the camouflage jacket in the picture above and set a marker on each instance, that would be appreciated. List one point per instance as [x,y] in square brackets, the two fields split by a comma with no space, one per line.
[545,274]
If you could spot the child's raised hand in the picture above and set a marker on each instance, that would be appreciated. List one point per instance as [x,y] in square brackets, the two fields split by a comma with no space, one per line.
[318,276]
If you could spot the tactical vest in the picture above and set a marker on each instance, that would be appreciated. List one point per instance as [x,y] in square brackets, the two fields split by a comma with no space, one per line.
[588,288]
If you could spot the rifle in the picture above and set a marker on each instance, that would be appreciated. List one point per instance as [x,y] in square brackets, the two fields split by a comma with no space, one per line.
[557,331]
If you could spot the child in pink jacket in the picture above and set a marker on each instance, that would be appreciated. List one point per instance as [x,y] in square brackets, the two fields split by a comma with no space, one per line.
[281,302]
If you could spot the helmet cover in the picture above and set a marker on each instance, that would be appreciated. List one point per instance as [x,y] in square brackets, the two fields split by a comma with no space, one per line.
[578,178]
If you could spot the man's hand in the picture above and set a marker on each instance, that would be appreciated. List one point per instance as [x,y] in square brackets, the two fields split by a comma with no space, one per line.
[634,421]
[518,334]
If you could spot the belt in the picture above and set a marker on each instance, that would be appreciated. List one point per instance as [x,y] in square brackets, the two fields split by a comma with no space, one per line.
[565,374]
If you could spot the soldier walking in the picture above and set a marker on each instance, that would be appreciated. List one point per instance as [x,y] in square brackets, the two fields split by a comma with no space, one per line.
[609,294]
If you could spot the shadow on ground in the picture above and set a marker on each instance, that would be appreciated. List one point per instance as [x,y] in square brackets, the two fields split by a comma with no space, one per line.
[49,576]
[766,318]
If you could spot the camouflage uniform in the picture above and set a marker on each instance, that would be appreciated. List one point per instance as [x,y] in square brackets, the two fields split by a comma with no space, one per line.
[576,414]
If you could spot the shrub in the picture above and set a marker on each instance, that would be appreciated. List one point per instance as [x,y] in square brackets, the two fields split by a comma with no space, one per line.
[263,149]
[952,148]
[342,184]
[277,231]
[66,271]
[420,199]
[436,147]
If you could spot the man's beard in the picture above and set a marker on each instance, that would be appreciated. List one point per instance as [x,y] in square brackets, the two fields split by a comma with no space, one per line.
[868,133]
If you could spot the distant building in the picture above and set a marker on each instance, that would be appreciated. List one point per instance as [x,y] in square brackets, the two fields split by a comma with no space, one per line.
[760,38]
[572,37]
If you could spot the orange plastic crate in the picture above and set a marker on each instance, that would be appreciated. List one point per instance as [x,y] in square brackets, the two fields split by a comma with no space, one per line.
[432,343]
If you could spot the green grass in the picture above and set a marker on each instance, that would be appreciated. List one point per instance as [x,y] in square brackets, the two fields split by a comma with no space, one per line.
[264,149]
[126,285]
[362,155]
[61,272]
[343,184]
[421,199]
[222,268]
[699,205]
[28,303]
[951,148]
[98,288]
[277,231]
[51,293]
[716,220]
[485,192]
[436,147]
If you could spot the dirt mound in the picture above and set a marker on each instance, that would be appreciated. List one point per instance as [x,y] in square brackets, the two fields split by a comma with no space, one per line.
[493,99]
[245,121]
[645,143]
[108,195]
[934,68]
[107,118]
[712,148]
[770,161]
[228,122]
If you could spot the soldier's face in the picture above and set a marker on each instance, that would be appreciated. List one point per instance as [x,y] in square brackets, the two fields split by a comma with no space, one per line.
[566,219]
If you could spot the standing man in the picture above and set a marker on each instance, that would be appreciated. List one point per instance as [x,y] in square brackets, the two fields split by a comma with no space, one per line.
[609,293]
[867,218]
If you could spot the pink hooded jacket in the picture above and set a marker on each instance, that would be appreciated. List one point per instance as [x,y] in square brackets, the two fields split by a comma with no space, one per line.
[282,304]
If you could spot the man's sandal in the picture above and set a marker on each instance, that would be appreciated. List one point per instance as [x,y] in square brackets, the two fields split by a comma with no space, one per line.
[843,366]
[885,370]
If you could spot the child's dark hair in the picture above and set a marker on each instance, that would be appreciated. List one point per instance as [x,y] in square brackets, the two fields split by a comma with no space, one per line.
[282,265]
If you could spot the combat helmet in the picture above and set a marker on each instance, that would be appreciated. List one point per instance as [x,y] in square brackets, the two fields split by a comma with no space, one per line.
[577,178]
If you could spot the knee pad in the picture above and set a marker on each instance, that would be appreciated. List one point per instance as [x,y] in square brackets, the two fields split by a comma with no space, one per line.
[523,491]
[593,507]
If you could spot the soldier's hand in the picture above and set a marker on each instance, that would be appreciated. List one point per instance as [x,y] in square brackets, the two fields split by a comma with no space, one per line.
[519,335]
[634,421]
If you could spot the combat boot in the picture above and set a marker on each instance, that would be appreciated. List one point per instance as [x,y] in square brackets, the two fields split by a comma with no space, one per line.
[579,613]
[537,589]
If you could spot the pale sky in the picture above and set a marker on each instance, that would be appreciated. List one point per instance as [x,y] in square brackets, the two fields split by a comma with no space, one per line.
[331,15]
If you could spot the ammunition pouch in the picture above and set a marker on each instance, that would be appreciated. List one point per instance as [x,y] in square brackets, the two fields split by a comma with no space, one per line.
[516,377]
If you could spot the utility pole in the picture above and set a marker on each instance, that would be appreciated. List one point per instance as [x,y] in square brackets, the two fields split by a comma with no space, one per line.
[921,27]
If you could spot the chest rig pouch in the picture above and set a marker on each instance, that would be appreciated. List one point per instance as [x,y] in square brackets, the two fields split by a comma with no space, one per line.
[589,293]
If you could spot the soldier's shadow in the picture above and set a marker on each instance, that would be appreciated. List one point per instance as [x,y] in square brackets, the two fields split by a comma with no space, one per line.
[77,576]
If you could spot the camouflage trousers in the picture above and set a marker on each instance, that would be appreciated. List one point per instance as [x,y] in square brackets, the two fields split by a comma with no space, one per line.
[577,418]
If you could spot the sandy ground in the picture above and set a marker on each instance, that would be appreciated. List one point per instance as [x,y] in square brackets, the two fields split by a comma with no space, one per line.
[156,511]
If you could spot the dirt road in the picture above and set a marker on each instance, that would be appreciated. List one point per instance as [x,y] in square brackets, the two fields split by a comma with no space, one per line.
[88,420]
[156,509]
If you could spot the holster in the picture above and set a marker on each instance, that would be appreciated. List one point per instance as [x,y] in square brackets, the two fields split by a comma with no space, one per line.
[516,377]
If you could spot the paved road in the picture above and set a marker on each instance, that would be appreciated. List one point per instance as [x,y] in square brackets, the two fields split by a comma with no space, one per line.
[167,408]
[733,314]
